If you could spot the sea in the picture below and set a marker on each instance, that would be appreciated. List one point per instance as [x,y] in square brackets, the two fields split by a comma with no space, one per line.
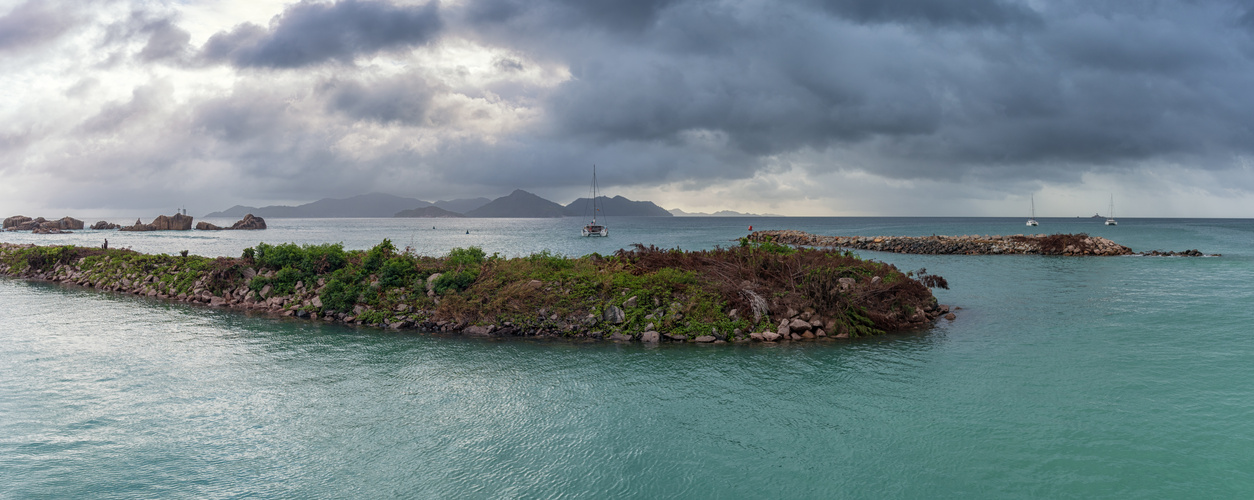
[1061,377]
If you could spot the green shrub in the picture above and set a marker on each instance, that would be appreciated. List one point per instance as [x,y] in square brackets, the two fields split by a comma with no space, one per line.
[377,256]
[284,281]
[455,281]
[397,272]
[279,256]
[339,296]
[465,257]
[325,258]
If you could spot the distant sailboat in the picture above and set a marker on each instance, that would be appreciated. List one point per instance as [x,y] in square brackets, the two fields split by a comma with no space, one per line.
[1110,220]
[1032,219]
[594,229]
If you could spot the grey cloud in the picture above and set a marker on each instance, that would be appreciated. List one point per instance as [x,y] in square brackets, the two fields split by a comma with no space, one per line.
[32,23]
[401,100]
[311,33]
[144,101]
[962,13]
[614,15]
[1086,87]
[167,41]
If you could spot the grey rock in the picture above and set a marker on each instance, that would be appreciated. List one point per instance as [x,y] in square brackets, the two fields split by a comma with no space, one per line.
[650,337]
[614,315]
[704,339]
[798,326]
[631,303]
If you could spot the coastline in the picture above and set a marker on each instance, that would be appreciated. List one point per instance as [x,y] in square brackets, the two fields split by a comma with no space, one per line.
[1070,245]
[756,292]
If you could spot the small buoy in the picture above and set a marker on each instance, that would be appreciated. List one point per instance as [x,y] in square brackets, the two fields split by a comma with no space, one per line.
[432,227]
[467,231]
[750,228]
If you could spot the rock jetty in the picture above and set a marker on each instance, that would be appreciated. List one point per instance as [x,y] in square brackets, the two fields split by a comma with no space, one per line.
[177,222]
[1039,244]
[41,225]
[249,222]
[743,294]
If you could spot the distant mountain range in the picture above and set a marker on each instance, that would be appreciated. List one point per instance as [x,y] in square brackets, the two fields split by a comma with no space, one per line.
[366,205]
[431,212]
[721,213]
[615,206]
[517,204]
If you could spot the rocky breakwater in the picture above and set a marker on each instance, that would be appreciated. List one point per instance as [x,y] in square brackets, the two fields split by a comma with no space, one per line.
[766,293]
[41,225]
[177,222]
[248,223]
[1039,244]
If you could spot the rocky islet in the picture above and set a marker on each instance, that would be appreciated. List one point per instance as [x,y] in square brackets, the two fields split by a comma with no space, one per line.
[627,304]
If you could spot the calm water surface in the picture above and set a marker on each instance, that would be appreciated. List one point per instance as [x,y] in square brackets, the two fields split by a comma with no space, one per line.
[1062,377]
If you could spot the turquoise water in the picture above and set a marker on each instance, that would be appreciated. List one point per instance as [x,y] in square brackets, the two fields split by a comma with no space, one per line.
[1062,377]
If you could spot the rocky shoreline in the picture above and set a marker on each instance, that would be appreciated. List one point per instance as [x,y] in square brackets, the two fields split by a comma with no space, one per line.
[868,302]
[176,222]
[1039,244]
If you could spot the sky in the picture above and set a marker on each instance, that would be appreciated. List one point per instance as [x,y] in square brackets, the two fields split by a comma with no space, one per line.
[806,107]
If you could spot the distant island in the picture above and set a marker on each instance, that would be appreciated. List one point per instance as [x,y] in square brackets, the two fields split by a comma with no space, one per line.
[721,213]
[432,212]
[519,203]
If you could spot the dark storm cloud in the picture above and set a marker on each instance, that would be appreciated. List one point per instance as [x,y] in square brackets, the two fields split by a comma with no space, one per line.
[309,33]
[613,15]
[898,88]
[962,13]
[33,23]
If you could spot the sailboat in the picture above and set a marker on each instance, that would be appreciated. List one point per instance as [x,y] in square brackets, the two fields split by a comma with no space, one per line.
[1032,219]
[1110,221]
[593,228]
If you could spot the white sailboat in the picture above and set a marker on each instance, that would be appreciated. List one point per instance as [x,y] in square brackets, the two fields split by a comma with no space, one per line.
[593,228]
[1032,219]
[1110,219]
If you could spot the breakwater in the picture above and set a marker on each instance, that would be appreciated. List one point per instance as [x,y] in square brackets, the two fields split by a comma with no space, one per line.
[749,293]
[1040,244]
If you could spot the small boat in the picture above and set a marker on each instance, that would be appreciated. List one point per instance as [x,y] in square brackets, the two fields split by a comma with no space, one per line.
[593,228]
[1110,221]
[1032,219]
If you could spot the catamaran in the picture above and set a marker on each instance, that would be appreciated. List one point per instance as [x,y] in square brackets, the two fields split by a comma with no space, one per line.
[593,228]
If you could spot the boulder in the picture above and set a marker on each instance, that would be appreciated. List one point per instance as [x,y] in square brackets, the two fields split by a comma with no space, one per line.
[631,303]
[770,336]
[622,337]
[705,339]
[477,331]
[15,221]
[178,222]
[650,337]
[614,315]
[205,226]
[69,223]
[798,326]
[249,223]
[104,225]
